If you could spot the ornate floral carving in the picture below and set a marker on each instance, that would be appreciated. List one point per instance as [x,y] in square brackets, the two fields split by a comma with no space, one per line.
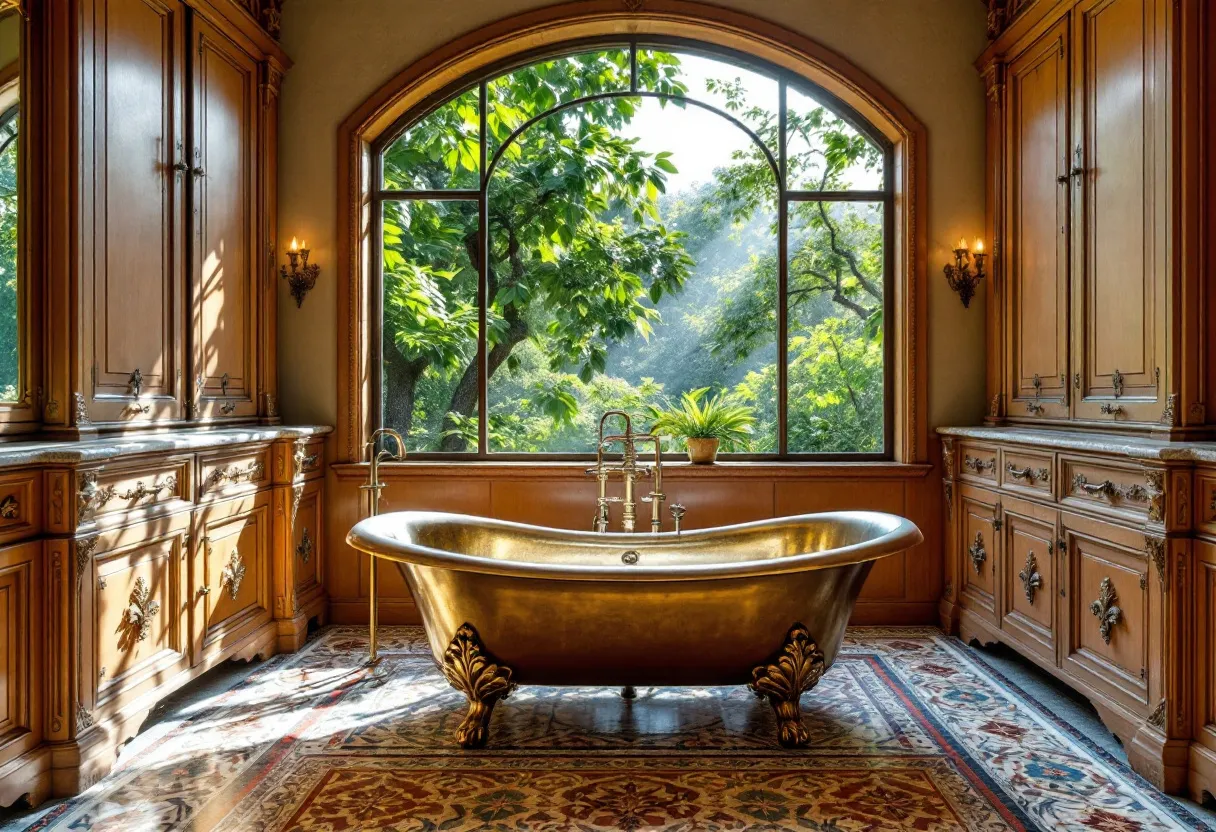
[796,668]
[948,457]
[994,406]
[10,509]
[1030,577]
[1157,717]
[90,496]
[1154,547]
[1169,416]
[1105,608]
[84,719]
[272,406]
[949,488]
[1156,495]
[85,547]
[977,553]
[141,609]
[233,573]
[469,668]
[82,410]
[304,548]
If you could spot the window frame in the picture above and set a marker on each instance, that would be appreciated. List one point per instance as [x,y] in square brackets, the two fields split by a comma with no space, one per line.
[377,196]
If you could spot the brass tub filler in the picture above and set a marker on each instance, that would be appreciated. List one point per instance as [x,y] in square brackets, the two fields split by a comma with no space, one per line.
[763,604]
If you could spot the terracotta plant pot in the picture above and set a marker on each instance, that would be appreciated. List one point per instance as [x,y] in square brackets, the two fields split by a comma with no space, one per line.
[702,451]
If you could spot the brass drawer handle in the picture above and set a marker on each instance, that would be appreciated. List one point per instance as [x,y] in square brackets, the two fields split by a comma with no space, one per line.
[1106,609]
[1027,473]
[10,509]
[978,465]
[252,471]
[169,484]
[1135,492]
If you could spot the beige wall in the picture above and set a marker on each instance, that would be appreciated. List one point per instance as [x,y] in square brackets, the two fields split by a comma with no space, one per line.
[921,50]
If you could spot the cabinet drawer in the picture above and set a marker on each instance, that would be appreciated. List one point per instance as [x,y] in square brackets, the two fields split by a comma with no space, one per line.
[302,459]
[232,573]
[1108,602]
[977,583]
[138,635]
[1027,471]
[224,475]
[1128,491]
[20,505]
[977,462]
[134,489]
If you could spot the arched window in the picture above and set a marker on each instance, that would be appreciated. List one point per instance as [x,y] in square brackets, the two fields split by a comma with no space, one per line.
[649,226]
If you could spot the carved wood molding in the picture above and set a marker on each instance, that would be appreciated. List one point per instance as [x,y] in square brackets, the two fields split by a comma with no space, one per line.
[1002,13]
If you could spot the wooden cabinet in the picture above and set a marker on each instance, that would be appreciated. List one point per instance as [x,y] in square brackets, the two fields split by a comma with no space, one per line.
[224,279]
[1098,316]
[1120,238]
[133,145]
[1037,159]
[1030,576]
[173,253]
[22,658]
[979,543]
[231,587]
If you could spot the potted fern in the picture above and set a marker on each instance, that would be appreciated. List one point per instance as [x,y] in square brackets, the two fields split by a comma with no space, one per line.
[705,424]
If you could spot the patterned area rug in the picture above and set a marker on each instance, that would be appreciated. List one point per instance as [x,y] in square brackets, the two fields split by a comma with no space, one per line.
[907,732]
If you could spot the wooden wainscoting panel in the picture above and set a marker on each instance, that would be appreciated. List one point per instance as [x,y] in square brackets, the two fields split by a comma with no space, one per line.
[1203,754]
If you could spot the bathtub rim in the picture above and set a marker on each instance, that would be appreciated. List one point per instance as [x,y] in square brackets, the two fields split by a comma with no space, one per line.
[368,536]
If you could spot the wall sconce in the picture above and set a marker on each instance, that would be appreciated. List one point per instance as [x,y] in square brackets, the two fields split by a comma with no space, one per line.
[302,276]
[959,274]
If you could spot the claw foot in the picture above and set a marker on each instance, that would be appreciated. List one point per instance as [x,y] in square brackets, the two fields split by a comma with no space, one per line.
[469,668]
[796,668]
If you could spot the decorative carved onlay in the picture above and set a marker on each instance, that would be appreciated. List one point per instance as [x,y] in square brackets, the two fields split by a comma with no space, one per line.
[304,549]
[303,459]
[1169,416]
[1154,547]
[978,465]
[1029,474]
[232,574]
[1156,495]
[84,719]
[251,472]
[797,667]
[994,406]
[267,13]
[10,509]
[633,5]
[141,609]
[272,407]
[85,547]
[470,668]
[1030,577]
[1157,717]
[82,410]
[949,487]
[948,457]
[977,553]
[1106,609]
[996,18]
[90,497]
[136,383]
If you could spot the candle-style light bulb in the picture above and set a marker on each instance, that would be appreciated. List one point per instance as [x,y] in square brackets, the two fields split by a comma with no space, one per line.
[978,246]
[962,244]
[294,245]
[304,245]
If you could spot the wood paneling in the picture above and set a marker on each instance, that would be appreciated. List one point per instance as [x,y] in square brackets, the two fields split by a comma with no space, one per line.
[980,545]
[1038,167]
[225,255]
[133,138]
[231,586]
[1029,580]
[22,658]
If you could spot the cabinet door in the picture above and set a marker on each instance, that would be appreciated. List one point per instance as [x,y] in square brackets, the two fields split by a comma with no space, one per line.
[132,138]
[1037,247]
[224,279]
[1109,596]
[22,652]
[979,524]
[232,573]
[1119,224]
[1029,582]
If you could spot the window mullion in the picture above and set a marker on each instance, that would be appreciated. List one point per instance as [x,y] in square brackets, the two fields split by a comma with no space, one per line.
[782,279]
[483,275]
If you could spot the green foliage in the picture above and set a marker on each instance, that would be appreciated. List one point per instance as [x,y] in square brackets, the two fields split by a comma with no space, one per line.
[719,417]
[604,290]
[9,359]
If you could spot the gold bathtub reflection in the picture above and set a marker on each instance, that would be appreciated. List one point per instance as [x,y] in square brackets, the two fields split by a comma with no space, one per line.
[764,604]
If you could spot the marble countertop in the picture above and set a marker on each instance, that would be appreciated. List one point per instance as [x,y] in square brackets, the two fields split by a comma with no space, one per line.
[1135,447]
[76,452]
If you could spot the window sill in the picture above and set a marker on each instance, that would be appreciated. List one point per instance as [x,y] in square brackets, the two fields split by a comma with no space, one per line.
[672,471]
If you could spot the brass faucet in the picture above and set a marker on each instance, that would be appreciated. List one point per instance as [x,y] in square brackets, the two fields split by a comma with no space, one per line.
[630,472]
[374,487]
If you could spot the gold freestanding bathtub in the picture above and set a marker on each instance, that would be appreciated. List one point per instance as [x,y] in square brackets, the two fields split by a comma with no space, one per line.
[763,603]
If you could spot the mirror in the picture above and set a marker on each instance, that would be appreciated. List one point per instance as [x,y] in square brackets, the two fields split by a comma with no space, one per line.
[10,205]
